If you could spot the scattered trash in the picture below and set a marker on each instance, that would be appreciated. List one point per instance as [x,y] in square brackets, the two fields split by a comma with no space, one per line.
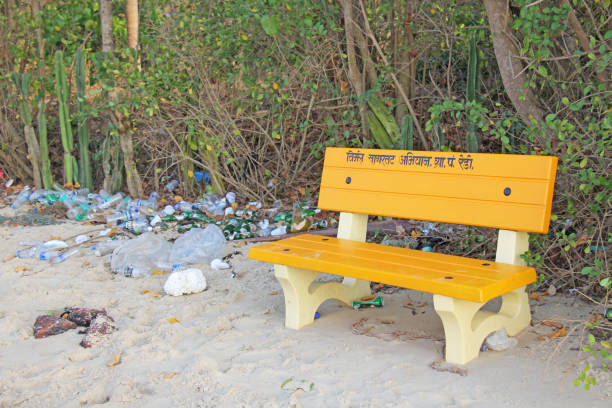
[137,257]
[360,304]
[185,282]
[218,264]
[99,324]
[198,246]
[99,331]
[499,341]
[317,315]
[50,325]
[82,316]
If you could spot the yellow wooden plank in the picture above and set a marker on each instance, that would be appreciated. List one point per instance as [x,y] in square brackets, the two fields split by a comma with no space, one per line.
[520,217]
[475,164]
[492,190]
[434,273]
[470,267]
[479,188]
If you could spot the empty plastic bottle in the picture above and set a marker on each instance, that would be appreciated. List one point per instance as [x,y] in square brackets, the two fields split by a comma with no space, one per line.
[46,255]
[21,198]
[138,226]
[171,186]
[183,206]
[128,215]
[37,250]
[62,257]
[77,211]
[105,248]
[110,201]
[135,271]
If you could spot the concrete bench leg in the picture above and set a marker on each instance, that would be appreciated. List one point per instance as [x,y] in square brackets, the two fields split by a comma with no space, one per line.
[303,297]
[466,326]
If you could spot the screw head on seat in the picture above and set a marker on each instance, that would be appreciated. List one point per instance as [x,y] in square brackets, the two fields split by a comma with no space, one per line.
[348,180]
[507,191]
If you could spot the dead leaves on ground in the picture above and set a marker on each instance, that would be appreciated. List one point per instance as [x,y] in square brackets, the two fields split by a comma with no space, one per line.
[152,293]
[115,361]
[560,332]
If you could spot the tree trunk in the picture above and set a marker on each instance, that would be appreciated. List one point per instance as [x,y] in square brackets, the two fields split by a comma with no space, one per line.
[510,67]
[406,66]
[131,13]
[106,25]
[355,76]
[584,41]
[132,177]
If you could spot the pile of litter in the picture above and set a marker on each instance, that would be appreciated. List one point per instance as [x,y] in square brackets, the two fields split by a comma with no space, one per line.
[139,216]
[99,325]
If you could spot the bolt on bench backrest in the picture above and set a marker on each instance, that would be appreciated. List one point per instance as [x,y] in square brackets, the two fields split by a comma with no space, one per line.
[505,191]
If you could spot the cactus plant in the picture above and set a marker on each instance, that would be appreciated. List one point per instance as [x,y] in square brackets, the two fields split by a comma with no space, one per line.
[82,127]
[61,88]
[22,82]
[472,140]
[382,124]
[112,164]
[407,133]
[47,176]
[385,131]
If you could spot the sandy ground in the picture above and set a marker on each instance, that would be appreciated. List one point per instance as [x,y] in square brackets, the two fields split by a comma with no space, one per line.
[230,348]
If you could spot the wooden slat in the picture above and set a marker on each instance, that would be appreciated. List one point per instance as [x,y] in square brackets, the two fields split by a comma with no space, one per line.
[470,279]
[472,191]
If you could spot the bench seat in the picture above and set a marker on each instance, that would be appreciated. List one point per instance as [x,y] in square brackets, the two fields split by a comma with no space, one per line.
[458,277]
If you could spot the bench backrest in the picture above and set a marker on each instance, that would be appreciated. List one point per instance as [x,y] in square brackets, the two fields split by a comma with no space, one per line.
[512,192]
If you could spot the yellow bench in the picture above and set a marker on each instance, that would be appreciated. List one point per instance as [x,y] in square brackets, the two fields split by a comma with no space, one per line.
[510,192]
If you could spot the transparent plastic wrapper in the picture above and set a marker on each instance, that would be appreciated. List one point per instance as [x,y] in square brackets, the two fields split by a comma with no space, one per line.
[137,257]
[21,198]
[198,246]
[171,186]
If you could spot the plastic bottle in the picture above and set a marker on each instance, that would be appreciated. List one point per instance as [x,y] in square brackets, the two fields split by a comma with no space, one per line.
[21,198]
[134,271]
[171,186]
[138,226]
[75,212]
[62,257]
[105,248]
[168,210]
[46,255]
[183,206]
[35,251]
[128,215]
[110,201]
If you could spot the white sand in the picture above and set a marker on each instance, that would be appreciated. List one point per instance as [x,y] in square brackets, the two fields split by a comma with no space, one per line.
[230,348]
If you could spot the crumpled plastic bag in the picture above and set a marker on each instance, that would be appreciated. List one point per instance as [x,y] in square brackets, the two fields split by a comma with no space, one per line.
[141,254]
[499,341]
[198,246]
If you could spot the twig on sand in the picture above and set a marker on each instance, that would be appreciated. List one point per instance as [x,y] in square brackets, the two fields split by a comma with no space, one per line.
[442,366]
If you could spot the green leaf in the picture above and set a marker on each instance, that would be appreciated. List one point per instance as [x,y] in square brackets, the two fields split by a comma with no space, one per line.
[270,24]
[606,283]
[591,339]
